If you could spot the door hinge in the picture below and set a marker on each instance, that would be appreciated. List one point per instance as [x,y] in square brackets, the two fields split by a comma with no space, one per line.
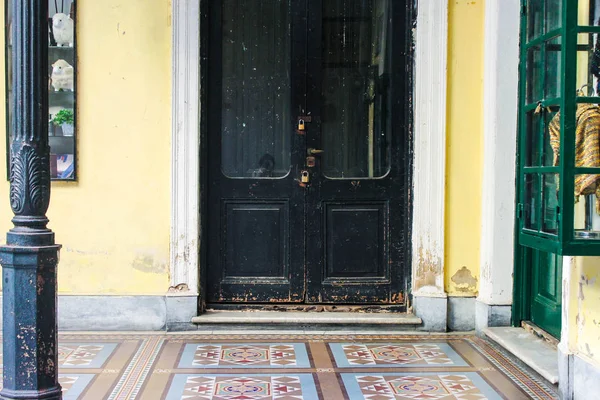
[523,7]
[520,211]
[557,214]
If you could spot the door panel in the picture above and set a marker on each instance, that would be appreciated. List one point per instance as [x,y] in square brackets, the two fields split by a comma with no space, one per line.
[261,227]
[356,202]
[256,209]
[546,290]
[347,225]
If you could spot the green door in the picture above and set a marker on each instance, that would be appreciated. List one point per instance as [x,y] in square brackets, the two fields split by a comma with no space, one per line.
[543,275]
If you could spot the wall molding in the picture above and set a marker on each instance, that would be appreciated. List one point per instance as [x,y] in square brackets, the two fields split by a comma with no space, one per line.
[429,163]
[185,157]
[565,359]
[429,147]
[500,111]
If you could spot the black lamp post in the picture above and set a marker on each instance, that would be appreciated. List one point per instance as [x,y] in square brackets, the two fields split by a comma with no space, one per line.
[30,255]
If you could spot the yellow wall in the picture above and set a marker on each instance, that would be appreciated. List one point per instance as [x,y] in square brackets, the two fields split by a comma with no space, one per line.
[584,307]
[464,146]
[114,222]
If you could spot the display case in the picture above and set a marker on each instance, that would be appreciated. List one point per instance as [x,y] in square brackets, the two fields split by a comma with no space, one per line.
[62,82]
[559,127]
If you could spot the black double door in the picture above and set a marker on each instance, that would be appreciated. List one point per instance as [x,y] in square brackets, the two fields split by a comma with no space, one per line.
[308,142]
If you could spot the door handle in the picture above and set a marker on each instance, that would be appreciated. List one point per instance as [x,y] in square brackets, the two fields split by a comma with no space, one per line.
[312,151]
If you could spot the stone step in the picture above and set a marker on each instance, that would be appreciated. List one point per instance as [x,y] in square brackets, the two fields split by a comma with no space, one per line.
[265,318]
[532,350]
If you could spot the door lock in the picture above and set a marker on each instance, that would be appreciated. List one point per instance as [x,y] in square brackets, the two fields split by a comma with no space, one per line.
[304,176]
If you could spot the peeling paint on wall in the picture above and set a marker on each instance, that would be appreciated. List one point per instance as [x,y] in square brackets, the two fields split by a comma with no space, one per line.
[585,303]
[148,263]
[429,268]
[464,281]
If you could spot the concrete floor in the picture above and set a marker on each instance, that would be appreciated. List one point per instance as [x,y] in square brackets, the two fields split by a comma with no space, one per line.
[286,366]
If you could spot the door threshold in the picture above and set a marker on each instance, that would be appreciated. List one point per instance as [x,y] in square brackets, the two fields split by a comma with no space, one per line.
[222,317]
[337,308]
[533,351]
[539,332]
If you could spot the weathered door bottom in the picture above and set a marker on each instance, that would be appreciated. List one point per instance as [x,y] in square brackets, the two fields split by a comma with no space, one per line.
[308,308]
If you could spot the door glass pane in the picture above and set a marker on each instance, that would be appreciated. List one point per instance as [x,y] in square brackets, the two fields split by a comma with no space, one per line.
[532,201]
[587,206]
[553,68]
[532,142]
[256,123]
[588,65]
[550,185]
[551,140]
[356,127]
[534,75]
[534,18]
[553,14]
[588,12]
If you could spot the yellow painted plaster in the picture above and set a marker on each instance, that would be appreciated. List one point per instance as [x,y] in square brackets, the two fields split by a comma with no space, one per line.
[584,332]
[464,146]
[114,222]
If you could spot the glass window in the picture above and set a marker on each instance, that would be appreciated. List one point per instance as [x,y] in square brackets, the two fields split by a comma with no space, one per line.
[256,89]
[588,13]
[355,87]
[62,82]
[559,130]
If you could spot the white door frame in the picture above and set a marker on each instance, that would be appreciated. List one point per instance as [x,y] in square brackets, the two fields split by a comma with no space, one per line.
[429,148]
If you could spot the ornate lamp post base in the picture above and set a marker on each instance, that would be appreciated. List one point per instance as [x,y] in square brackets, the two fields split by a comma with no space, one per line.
[30,337]
[50,394]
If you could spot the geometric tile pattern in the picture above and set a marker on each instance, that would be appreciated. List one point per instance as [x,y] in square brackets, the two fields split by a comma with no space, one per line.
[74,384]
[272,355]
[246,387]
[84,355]
[414,386]
[386,354]
[78,355]
[263,366]
[136,372]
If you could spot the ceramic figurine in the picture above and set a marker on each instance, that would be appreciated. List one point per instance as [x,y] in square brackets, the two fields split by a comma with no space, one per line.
[62,26]
[62,76]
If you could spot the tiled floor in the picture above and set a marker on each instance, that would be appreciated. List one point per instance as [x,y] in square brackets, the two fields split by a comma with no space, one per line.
[290,367]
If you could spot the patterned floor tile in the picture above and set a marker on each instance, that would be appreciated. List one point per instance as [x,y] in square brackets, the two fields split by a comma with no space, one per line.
[243,387]
[84,355]
[291,367]
[395,355]
[268,355]
[434,386]
[74,384]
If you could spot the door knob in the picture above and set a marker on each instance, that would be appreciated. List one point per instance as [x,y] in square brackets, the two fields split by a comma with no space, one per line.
[312,151]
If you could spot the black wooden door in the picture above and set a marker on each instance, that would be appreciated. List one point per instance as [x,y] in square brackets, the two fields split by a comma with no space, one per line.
[256,87]
[356,204]
[341,238]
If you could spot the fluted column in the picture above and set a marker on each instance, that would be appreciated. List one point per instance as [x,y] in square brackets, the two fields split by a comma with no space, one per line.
[30,255]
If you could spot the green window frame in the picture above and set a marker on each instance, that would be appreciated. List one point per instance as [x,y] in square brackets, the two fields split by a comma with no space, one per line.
[559,128]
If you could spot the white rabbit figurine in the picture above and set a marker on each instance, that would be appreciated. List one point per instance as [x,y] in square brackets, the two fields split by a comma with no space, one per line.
[62,76]
[62,26]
